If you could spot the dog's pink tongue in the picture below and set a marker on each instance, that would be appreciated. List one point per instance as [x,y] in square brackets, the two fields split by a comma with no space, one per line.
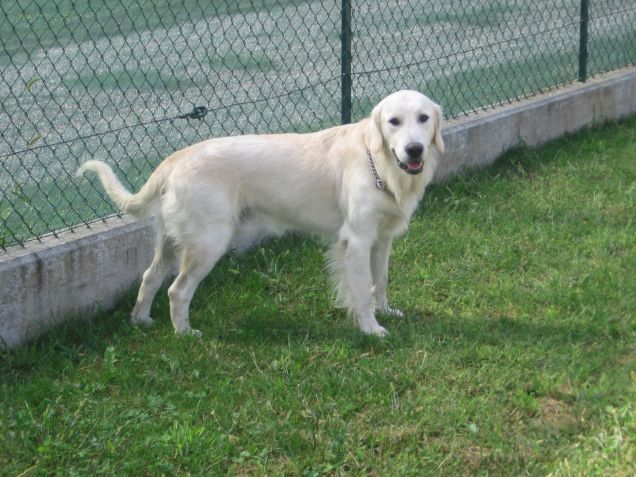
[414,165]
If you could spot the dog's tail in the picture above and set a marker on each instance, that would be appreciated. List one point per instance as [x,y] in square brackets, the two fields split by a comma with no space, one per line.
[140,204]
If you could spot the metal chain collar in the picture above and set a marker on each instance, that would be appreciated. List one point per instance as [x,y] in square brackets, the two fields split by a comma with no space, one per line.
[379,183]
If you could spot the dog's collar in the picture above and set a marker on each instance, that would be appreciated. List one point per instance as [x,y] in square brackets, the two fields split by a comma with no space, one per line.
[379,183]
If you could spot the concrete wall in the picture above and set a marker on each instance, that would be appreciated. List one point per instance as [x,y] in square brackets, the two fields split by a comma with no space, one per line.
[69,276]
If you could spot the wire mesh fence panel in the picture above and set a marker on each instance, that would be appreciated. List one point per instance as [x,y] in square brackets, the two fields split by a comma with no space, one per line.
[130,81]
[612,35]
[467,55]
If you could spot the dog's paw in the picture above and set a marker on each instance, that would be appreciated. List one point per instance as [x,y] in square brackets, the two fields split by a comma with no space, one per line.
[190,332]
[144,321]
[375,330]
[392,312]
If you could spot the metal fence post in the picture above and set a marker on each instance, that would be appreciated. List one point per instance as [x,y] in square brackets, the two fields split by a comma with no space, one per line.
[583,23]
[345,63]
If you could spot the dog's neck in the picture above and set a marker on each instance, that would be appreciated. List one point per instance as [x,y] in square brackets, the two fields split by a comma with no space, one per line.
[406,189]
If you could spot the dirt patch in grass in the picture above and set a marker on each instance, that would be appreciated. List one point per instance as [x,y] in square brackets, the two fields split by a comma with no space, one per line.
[474,455]
[555,415]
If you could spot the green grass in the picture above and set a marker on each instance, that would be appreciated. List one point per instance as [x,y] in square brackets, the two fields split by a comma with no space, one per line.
[516,356]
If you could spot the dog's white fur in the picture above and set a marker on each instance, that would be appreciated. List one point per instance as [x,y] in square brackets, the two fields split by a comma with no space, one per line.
[226,192]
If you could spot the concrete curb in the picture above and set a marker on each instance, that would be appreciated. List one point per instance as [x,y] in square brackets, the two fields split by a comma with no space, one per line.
[479,140]
[72,275]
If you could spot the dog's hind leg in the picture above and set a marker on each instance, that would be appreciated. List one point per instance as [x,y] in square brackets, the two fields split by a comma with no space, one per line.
[161,265]
[197,259]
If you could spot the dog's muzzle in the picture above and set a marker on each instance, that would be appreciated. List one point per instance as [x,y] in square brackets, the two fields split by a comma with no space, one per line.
[414,164]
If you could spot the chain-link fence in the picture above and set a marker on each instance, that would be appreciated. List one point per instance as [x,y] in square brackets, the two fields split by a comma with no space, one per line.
[130,81]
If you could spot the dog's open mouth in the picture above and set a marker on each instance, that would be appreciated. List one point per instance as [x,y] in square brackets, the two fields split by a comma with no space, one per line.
[412,166]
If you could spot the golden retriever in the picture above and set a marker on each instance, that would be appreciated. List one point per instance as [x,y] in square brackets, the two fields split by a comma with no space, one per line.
[356,185]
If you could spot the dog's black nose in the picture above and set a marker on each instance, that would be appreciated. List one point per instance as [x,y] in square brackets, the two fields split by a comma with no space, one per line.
[414,149]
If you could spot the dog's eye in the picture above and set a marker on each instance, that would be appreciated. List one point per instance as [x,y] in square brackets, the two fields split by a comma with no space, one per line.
[423,118]
[394,121]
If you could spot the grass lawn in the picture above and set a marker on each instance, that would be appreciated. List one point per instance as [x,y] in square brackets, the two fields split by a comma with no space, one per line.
[516,355]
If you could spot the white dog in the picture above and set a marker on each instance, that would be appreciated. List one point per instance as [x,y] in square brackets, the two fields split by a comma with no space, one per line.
[356,185]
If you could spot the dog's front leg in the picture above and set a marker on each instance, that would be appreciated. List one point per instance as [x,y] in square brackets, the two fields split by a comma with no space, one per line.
[359,283]
[380,272]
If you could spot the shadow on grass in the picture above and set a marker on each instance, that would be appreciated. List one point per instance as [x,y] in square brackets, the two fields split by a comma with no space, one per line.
[75,341]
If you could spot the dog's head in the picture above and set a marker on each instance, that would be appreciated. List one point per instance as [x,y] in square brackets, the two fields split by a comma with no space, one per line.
[403,126]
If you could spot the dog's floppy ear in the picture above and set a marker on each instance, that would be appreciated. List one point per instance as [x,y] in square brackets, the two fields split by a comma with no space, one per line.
[373,136]
[439,142]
